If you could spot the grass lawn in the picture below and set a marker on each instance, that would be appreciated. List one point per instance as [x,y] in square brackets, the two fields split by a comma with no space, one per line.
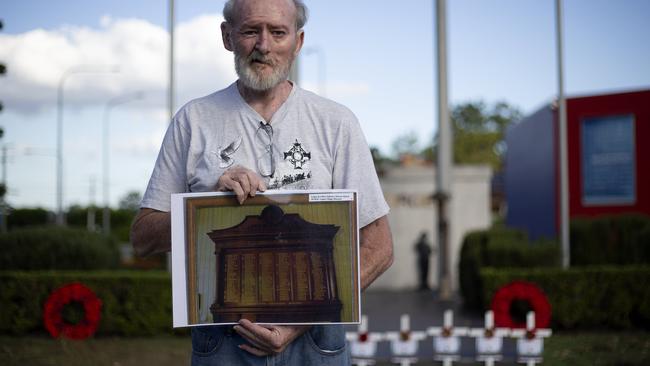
[43,351]
[603,348]
[574,348]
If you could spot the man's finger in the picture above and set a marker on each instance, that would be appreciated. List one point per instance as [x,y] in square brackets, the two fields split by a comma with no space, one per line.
[256,183]
[253,338]
[236,188]
[253,350]
[264,333]
[245,182]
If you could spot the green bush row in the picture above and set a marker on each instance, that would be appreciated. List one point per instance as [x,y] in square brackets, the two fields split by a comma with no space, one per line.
[584,297]
[621,239]
[75,217]
[52,247]
[134,303]
[499,248]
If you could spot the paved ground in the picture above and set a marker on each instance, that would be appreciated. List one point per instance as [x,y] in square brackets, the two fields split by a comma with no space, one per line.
[384,309]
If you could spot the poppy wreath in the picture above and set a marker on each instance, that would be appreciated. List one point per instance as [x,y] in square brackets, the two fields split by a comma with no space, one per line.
[522,291]
[53,311]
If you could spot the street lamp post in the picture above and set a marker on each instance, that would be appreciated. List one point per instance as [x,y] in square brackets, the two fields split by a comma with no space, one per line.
[106,215]
[60,219]
[445,154]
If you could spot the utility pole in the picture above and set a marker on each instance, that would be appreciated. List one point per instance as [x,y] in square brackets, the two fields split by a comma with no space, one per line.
[562,127]
[3,185]
[444,158]
[172,21]
[3,191]
[90,212]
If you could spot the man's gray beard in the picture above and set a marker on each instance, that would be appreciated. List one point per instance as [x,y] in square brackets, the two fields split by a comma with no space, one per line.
[251,79]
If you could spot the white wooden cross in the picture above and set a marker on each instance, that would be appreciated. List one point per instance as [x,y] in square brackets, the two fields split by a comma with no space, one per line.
[363,345]
[489,340]
[446,340]
[530,342]
[404,344]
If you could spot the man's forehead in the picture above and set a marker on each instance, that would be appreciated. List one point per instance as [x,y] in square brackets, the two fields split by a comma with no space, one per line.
[245,8]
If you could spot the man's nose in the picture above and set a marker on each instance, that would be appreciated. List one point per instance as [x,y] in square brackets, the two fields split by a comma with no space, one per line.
[262,44]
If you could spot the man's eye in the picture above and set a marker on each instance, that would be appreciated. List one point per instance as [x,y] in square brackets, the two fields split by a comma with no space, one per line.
[249,33]
[278,33]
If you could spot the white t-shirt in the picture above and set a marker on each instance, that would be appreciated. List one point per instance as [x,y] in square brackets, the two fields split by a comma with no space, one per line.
[310,143]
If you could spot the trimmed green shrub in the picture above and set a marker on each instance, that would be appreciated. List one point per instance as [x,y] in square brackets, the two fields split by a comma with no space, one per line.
[620,239]
[501,248]
[121,220]
[20,217]
[134,303]
[51,247]
[584,297]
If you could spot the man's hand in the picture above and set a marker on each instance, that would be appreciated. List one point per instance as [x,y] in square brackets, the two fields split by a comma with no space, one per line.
[242,181]
[267,340]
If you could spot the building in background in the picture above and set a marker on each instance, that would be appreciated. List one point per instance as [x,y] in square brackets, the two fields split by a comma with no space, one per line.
[609,161]
[409,190]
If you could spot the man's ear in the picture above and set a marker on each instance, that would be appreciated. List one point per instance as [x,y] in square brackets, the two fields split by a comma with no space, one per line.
[301,41]
[226,31]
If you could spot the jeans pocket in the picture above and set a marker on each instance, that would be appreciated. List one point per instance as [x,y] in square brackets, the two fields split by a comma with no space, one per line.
[328,340]
[206,340]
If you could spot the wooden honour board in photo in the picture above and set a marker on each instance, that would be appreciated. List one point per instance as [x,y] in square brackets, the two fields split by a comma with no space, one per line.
[272,262]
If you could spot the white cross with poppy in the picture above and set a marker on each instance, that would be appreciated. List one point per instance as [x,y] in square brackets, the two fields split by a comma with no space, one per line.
[489,340]
[530,341]
[363,344]
[446,339]
[404,344]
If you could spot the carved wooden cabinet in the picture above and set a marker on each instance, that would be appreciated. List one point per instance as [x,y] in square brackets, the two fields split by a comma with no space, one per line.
[275,268]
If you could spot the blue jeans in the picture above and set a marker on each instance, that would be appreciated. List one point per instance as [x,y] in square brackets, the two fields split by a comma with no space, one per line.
[321,345]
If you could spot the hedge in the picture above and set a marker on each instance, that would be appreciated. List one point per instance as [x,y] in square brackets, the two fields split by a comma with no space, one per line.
[620,239]
[135,303]
[584,297]
[52,247]
[20,217]
[499,248]
[121,220]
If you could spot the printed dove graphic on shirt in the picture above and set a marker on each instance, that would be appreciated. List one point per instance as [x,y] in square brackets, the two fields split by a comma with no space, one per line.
[225,153]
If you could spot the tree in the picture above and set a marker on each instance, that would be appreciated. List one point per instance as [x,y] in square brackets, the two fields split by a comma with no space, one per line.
[479,132]
[406,143]
[130,201]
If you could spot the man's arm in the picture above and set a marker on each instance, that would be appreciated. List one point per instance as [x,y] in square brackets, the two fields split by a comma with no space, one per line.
[151,232]
[376,250]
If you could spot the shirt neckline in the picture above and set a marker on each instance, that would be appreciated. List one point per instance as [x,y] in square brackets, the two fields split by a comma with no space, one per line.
[277,117]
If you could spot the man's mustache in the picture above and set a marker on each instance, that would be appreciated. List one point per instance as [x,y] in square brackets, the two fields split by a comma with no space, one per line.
[257,56]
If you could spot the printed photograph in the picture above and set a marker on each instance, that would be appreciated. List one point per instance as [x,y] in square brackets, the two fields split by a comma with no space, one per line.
[280,258]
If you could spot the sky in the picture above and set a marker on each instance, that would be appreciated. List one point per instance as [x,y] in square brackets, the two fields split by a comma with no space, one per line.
[375,56]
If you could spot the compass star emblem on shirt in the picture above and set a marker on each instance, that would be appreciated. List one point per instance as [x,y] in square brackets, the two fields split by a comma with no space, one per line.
[297,156]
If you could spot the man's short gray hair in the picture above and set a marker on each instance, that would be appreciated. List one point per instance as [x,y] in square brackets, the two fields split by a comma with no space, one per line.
[301,12]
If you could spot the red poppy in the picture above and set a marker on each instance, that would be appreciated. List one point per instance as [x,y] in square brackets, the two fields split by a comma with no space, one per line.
[523,291]
[53,311]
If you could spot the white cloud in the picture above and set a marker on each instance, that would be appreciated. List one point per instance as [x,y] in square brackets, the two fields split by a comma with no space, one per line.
[37,59]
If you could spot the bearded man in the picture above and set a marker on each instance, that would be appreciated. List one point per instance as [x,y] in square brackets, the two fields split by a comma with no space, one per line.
[264,132]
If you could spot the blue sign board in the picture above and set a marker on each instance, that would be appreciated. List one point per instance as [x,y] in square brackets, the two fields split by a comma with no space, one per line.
[608,161]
